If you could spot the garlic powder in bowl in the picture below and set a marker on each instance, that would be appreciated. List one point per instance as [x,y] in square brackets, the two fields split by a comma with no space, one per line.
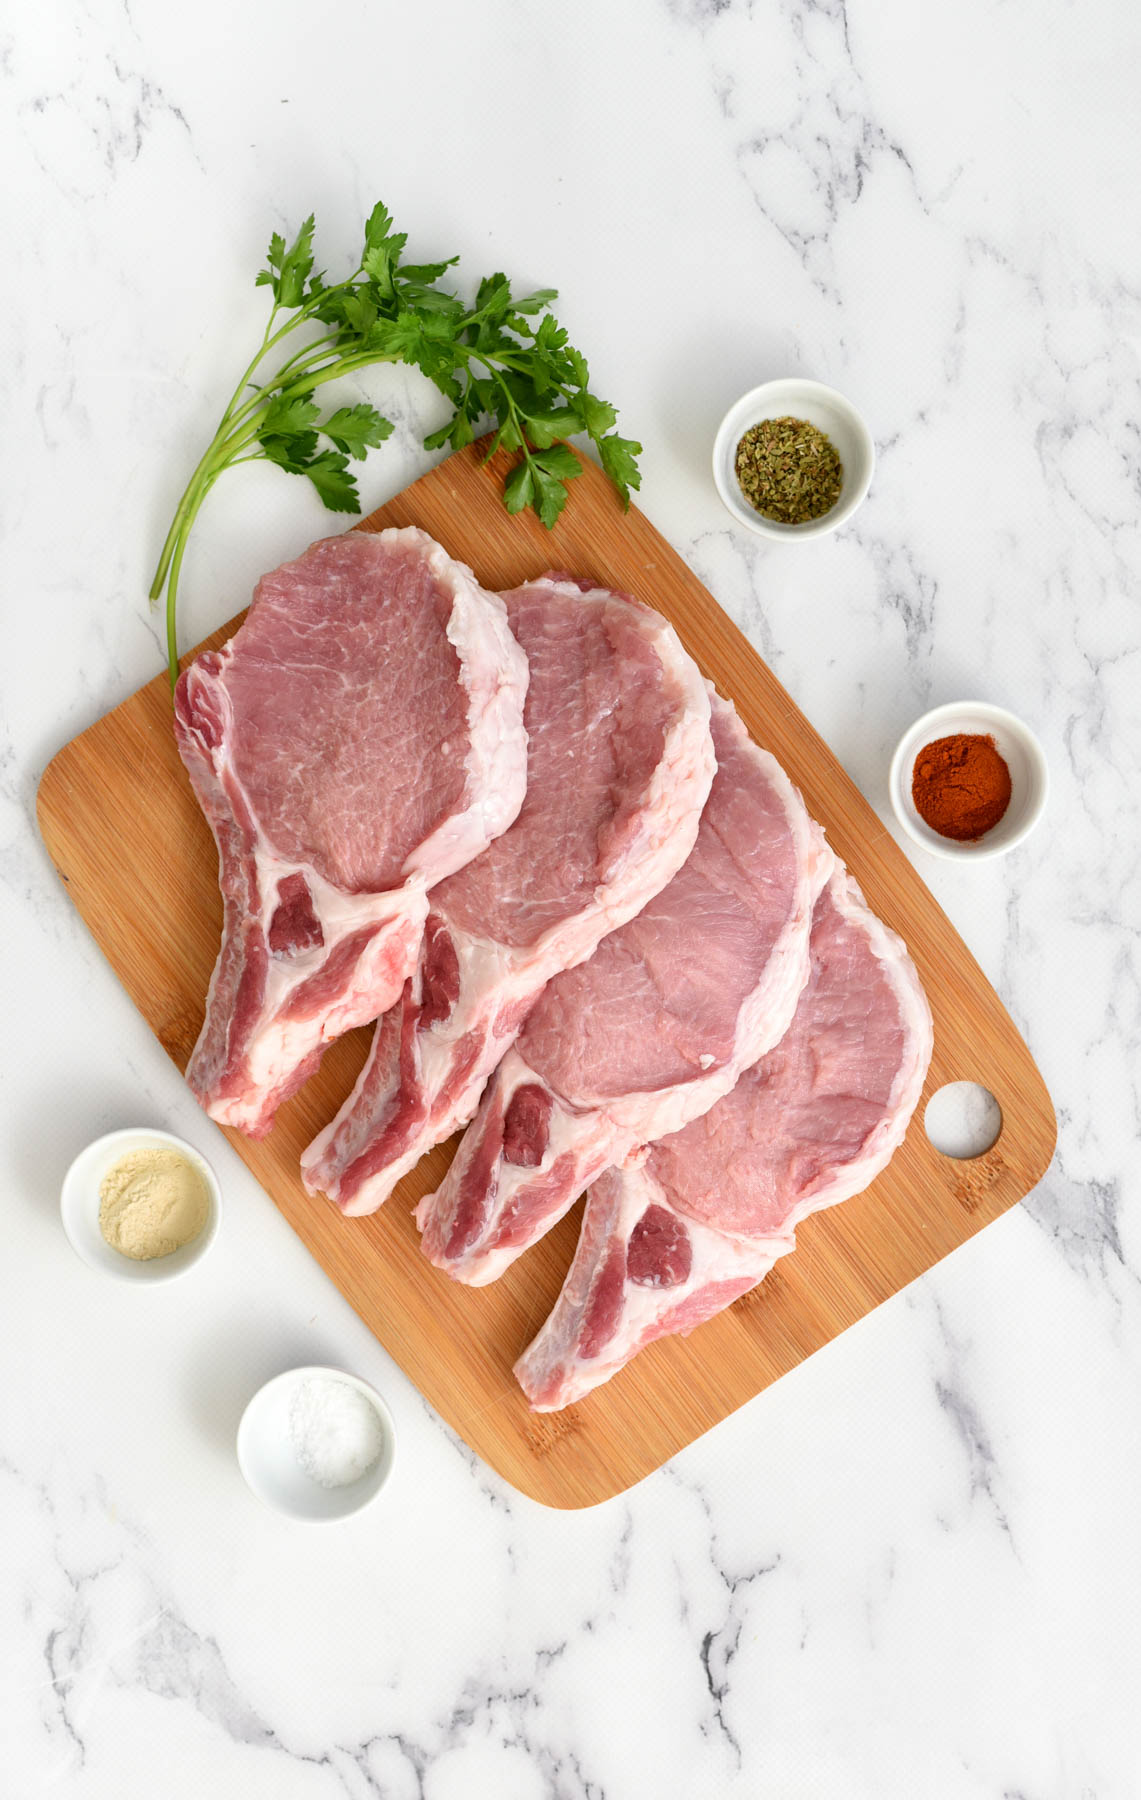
[152,1201]
[141,1204]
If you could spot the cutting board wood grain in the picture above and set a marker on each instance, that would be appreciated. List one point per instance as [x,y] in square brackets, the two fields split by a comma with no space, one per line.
[122,826]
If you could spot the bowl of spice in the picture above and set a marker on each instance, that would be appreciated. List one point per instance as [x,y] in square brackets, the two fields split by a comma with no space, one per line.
[969,780]
[141,1204]
[316,1444]
[792,459]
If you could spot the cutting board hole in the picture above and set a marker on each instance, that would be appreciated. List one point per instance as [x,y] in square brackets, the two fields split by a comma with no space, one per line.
[963,1119]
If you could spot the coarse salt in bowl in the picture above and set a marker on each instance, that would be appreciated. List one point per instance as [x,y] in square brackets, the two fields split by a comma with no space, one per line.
[288,1440]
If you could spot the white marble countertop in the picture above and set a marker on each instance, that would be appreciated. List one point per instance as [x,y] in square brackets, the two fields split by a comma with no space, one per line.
[912,1568]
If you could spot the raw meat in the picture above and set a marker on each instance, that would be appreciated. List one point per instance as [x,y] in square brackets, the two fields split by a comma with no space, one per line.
[685,1228]
[652,1030]
[359,738]
[619,765]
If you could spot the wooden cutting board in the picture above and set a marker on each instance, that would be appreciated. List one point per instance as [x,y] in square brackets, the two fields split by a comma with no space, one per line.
[126,835]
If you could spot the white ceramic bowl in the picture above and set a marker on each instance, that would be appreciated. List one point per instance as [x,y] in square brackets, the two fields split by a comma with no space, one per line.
[268,1460]
[79,1207]
[1019,749]
[829,412]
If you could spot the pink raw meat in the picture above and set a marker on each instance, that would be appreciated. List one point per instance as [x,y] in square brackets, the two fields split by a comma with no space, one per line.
[359,738]
[652,1030]
[682,1230]
[619,764]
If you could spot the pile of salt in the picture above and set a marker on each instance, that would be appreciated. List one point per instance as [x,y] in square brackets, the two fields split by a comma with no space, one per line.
[336,1432]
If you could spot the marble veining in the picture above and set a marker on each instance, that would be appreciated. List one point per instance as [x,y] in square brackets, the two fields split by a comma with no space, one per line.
[912,1567]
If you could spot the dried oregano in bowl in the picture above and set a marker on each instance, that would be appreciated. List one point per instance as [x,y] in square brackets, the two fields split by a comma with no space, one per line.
[789,470]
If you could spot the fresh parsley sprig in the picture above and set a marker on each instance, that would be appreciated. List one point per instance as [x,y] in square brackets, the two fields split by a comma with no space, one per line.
[501,360]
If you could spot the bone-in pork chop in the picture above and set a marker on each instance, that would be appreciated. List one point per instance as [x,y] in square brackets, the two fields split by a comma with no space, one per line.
[619,764]
[357,740]
[652,1030]
[676,1235]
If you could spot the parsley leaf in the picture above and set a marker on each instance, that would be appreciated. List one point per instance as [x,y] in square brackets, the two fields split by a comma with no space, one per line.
[550,495]
[545,424]
[618,459]
[289,413]
[377,225]
[329,473]
[290,268]
[597,415]
[292,451]
[558,461]
[520,488]
[533,303]
[275,256]
[357,429]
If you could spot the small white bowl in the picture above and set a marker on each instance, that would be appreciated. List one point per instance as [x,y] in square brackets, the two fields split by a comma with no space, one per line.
[79,1207]
[269,1463]
[820,406]
[1019,749]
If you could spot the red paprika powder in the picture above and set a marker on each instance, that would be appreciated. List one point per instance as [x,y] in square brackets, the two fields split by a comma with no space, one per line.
[960,786]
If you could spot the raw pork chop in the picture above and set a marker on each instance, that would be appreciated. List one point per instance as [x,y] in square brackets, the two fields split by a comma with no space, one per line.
[619,764]
[652,1030]
[677,1234]
[359,738]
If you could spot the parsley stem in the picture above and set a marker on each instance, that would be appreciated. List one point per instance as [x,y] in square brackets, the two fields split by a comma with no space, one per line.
[190,512]
[262,397]
[171,538]
[172,612]
[179,523]
[303,315]
[247,429]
